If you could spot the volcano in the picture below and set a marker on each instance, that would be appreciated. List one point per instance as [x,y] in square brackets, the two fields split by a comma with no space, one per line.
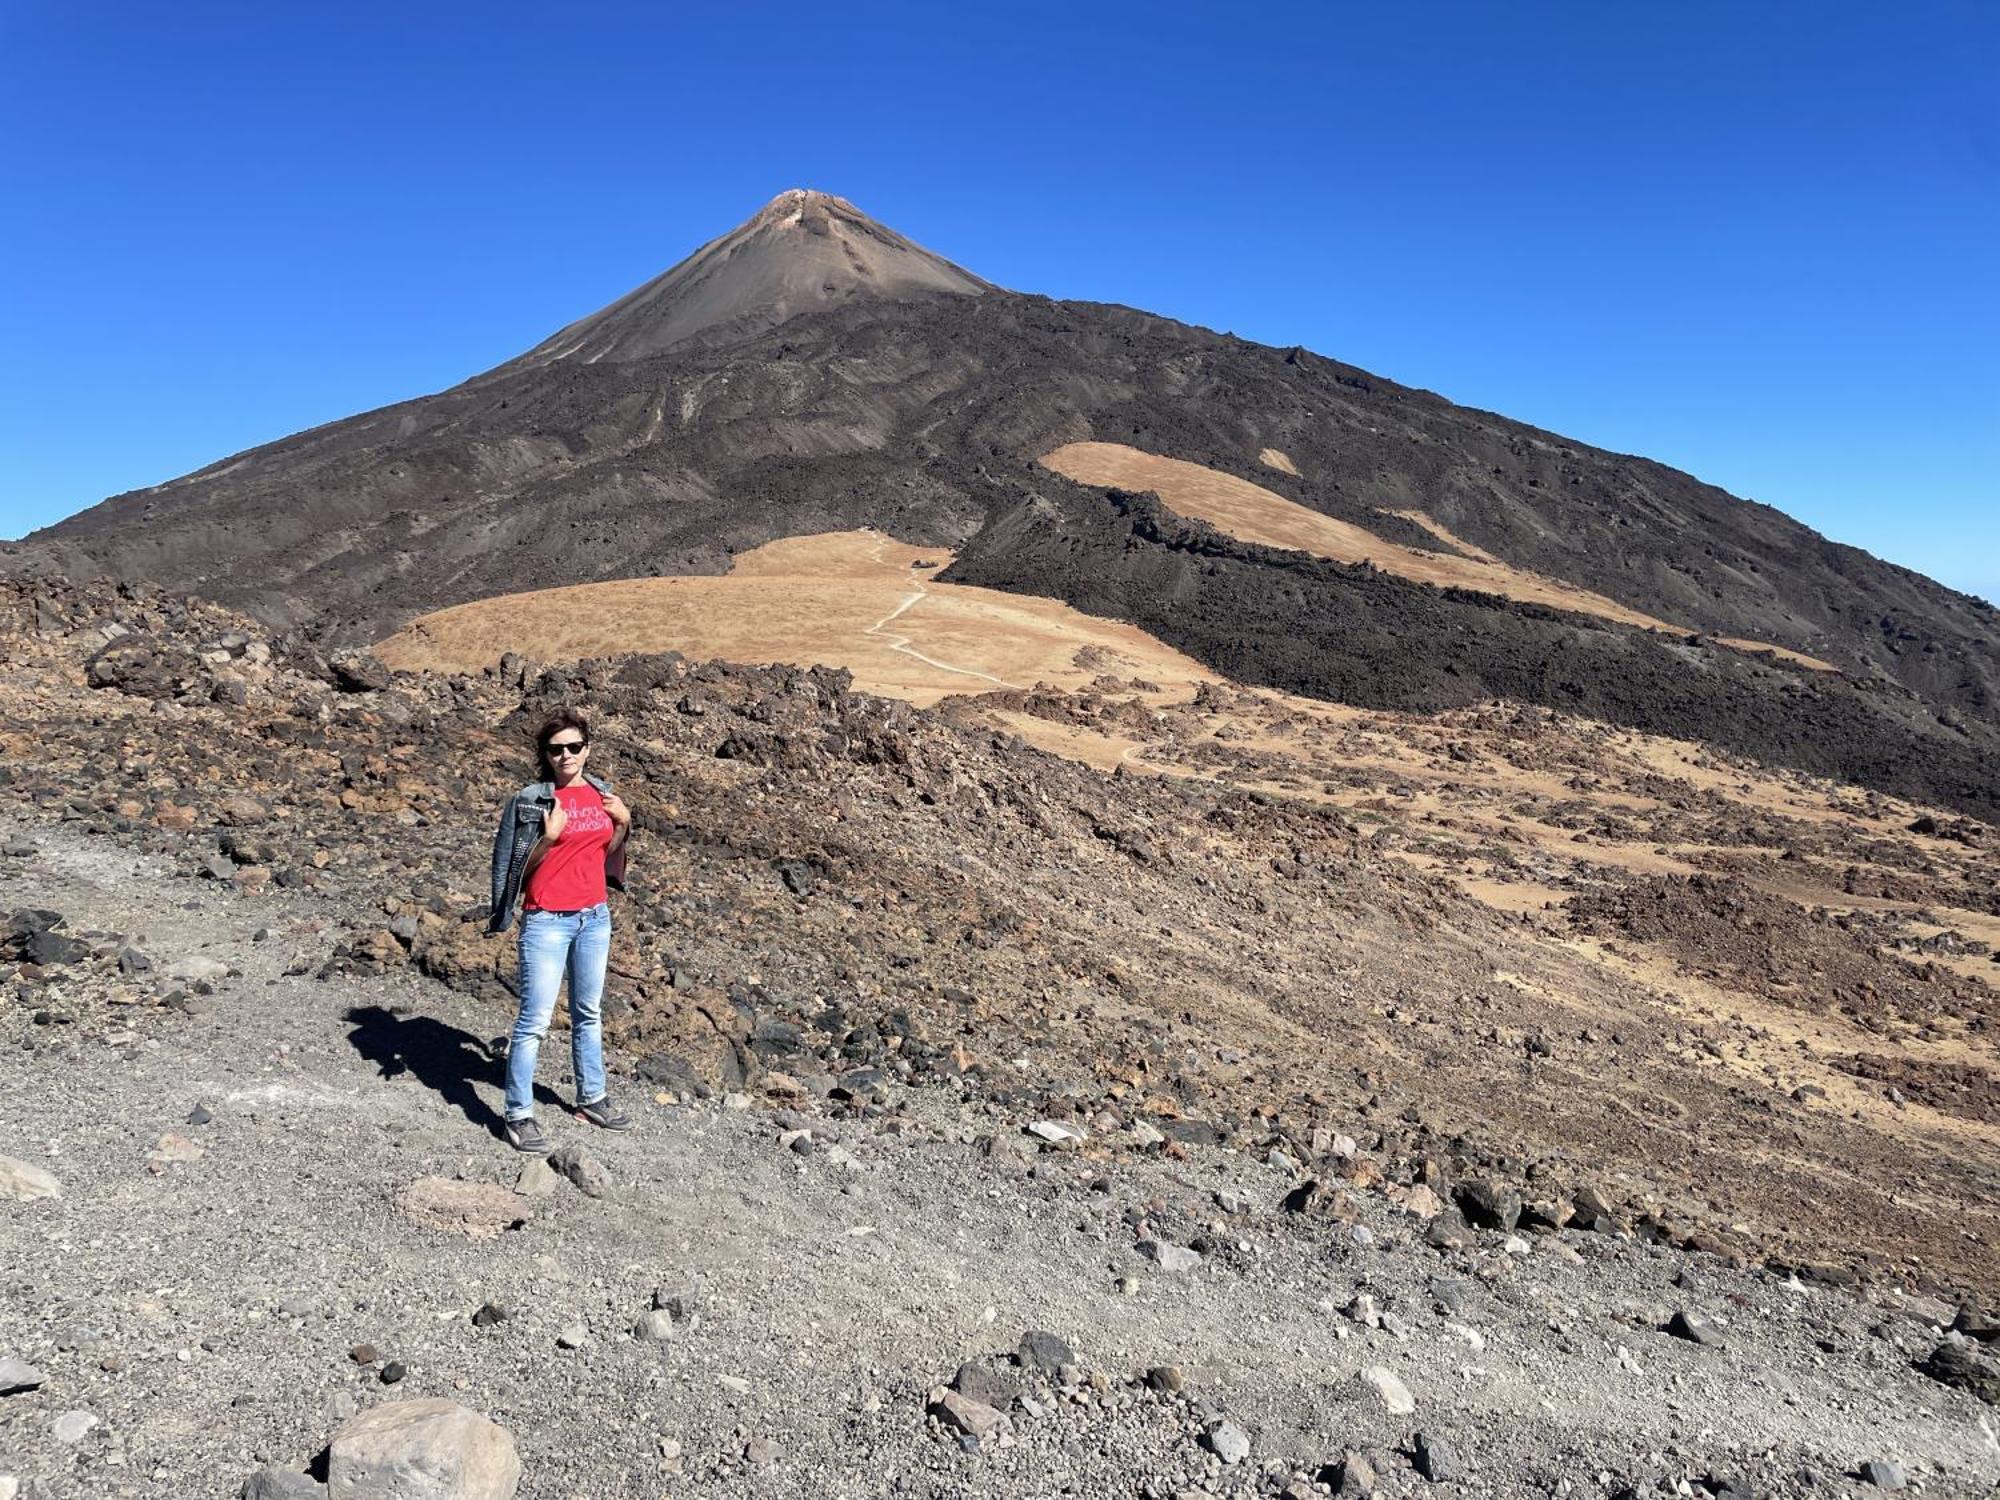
[802,252]
[1279,516]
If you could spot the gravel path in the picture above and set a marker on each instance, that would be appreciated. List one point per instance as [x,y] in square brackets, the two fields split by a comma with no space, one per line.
[205,1311]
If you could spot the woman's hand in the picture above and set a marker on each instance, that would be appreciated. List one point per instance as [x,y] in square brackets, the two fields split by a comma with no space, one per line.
[554,823]
[614,806]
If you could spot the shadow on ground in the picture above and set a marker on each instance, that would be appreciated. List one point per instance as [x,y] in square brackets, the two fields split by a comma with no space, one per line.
[443,1058]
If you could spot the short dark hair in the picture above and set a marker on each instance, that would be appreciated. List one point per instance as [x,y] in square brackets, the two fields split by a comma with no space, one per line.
[561,719]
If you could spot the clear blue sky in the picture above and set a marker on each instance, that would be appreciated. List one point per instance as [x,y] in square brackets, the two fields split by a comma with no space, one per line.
[1756,241]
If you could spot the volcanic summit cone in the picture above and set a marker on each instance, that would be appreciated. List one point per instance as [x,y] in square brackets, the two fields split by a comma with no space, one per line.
[803,251]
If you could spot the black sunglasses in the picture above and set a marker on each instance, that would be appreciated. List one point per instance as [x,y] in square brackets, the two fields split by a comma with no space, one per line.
[567,747]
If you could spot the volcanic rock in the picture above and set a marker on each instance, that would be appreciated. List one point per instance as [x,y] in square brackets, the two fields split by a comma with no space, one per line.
[427,1449]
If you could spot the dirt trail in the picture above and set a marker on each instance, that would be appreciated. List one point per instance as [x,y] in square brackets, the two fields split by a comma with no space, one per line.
[902,642]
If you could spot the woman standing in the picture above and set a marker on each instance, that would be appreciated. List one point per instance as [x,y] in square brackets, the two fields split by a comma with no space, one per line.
[554,840]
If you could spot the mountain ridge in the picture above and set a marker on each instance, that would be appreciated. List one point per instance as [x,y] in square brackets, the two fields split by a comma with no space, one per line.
[926,416]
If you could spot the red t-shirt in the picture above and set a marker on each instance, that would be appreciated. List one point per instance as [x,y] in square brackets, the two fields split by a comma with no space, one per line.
[570,875]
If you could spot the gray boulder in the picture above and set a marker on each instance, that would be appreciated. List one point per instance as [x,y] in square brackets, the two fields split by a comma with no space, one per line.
[422,1450]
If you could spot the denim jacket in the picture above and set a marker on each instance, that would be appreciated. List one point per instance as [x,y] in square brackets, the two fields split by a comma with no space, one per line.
[520,830]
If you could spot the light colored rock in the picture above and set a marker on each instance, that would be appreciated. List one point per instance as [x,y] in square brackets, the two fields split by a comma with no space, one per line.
[1054,1132]
[73,1426]
[24,1182]
[1227,1441]
[538,1179]
[198,966]
[1396,1397]
[422,1450]
[1170,1258]
[10,1487]
[172,1150]
[1418,1200]
[572,1336]
[974,1418]
[654,1327]
[18,1375]
[1145,1134]
[478,1210]
[279,1484]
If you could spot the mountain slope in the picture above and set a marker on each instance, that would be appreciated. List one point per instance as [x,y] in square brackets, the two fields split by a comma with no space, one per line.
[925,415]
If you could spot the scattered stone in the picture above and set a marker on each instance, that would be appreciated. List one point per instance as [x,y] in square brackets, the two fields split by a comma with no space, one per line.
[798,876]
[198,967]
[1166,1379]
[23,1182]
[363,1354]
[1884,1474]
[1226,1441]
[1419,1201]
[581,1168]
[201,1114]
[478,1210]
[1436,1459]
[1043,1352]
[1976,1325]
[1960,1363]
[1488,1205]
[73,1426]
[1169,1258]
[393,1372]
[278,1484]
[1311,1196]
[1353,1477]
[172,1150]
[975,1419]
[538,1179]
[1395,1396]
[985,1383]
[572,1336]
[683,1305]
[1696,1330]
[17,1375]
[489,1314]
[241,812]
[422,1450]
[358,672]
[1054,1132]
[655,1326]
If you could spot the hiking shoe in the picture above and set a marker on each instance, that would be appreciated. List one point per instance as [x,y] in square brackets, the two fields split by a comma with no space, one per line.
[604,1114]
[526,1135]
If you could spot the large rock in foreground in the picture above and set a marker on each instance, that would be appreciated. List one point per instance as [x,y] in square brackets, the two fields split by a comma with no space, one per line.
[422,1450]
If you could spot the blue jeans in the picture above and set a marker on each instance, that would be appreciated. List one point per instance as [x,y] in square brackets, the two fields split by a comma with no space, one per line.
[550,943]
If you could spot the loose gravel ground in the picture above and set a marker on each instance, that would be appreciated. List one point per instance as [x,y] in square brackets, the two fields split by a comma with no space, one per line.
[206,1310]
